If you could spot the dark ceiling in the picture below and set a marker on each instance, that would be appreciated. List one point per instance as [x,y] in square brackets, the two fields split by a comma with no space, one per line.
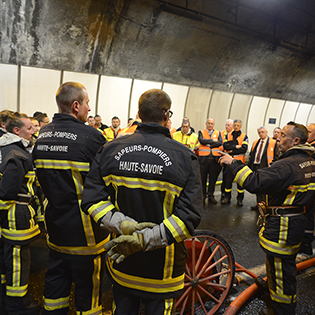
[259,47]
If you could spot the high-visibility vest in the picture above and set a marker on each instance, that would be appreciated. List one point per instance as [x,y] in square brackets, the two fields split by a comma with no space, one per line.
[190,141]
[312,143]
[109,133]
[270,149]
[205,150]
[223,135]
[127,131]
[240,140]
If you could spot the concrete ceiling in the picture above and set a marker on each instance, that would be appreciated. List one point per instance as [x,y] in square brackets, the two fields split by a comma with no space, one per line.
[259,47]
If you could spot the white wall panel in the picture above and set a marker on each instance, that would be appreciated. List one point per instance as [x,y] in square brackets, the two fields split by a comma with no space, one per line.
[311,117]
[302,113]
[220,108]
[197,104]
[273,112]
[139,87]
[8,86]
[90,82]
[38,90]
[178,94]
[240,107]
[288,112]
[113,100]
[256,117]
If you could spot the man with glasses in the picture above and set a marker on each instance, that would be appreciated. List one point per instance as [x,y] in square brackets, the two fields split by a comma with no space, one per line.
[148,177]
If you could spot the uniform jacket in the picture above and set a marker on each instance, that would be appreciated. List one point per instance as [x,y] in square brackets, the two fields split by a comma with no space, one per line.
[287,182]
[189,140]
[264,160]
[63,154]
[17,176]
[237,153]
[149,177]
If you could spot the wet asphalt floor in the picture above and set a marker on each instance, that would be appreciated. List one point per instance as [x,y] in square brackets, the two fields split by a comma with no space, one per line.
[237,226]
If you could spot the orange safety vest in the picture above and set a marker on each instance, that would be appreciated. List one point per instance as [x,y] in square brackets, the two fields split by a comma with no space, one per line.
[223,134]
[312,143]
[205,150]
[127,131]
[240,140]
[270,149]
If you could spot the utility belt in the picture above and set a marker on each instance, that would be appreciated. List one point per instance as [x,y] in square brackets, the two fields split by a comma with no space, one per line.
[286,211]
[24,199]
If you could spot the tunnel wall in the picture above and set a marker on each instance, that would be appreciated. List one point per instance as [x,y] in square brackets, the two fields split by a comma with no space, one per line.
[29,89]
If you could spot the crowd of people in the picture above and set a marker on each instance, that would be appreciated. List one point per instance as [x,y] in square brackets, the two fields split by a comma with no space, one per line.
[137,194]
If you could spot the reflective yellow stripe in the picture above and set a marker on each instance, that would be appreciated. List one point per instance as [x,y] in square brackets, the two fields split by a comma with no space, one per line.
[20,235]
[11,217]
[294,189]
[168,204]
[228,190]
[86,220]
[282,298]
[283,232]
[242,175]
[17,291]
[31,179]
[56,304]
[145,284]
[5,204]
[275,247]
[241,191]
[278,275]
[99,209]
[177,227]
[168,306]
[146,184]
[80,250]
[95,311]
[95,304]
[169,261]
[16,275]
[3,279]
[62,165]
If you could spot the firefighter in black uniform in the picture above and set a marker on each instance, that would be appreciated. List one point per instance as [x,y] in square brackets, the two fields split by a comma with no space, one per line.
[306,246]
[18,224]
[149,177]
[289,185]
[63,154]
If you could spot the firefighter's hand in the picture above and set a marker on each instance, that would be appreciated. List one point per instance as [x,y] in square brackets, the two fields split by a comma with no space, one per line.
[121,247]
[128,227]
[225,159]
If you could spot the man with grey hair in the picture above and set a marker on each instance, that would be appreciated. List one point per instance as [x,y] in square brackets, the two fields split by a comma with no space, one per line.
[264,151]
[236,144]
[210,141]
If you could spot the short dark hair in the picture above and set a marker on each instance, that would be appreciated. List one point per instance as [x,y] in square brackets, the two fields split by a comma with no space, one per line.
[299,131]
[153,104]
[14,120]
[68,93]
[90,117]
[41,117]
[115,117]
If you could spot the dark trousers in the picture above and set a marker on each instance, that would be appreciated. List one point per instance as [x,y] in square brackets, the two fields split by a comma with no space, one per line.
[281,274]
[209,168]
[86,272]
[228,178]
[16,259]
[129,304]
[309,230]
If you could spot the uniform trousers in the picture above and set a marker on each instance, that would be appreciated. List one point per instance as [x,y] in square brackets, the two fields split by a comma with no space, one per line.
[228,178]
[16,264]
[281,275]
[209,166]
[129,304]
[309,230]
[85,271]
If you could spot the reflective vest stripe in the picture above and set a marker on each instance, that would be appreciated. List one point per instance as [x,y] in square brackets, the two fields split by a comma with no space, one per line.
[20,235]
[145,284]
[205,150]
[17,291]
[294,189]
[240,141]
[99,209]
[282,298]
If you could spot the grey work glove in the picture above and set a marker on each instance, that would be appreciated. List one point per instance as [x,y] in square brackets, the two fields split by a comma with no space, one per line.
[121,224]
[144,240]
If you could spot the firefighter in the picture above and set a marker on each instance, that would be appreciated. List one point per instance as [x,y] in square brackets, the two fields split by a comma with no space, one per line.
[18,224]
[63,154]
[148,177]
[289,185]
[210,141]
[235,144]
